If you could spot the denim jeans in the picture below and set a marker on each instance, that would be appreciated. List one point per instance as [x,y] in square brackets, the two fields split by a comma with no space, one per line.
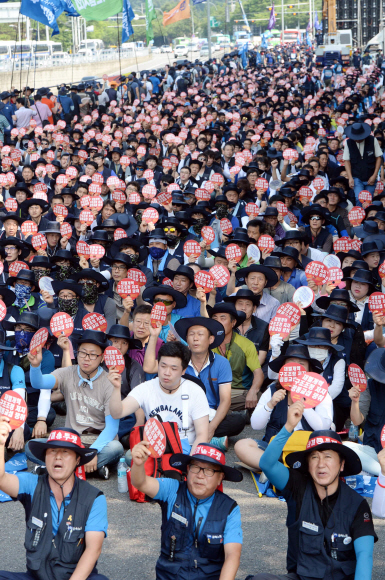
[109,455]
[360,186]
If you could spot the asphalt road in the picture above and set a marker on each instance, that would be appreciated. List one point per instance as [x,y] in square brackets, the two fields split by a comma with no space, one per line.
[133,542]
[159,60]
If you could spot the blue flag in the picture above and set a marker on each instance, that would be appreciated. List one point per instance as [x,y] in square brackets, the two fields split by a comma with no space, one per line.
[243,54]
[128,16]
[308,41]
[264,42]
[47,11]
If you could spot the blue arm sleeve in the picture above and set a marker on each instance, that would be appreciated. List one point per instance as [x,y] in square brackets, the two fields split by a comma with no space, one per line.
[344,234]
[40,381]
[17,378]
[277,473]
[364,551]
[108,434]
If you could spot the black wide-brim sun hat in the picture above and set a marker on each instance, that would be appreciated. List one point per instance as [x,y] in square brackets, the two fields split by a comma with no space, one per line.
[216,328]
[337,294]
[375,365]
[181,271]
[227,308]
[58,285]
[39,448]
[270,275]
[358,131]
[123,332]
[295,351]
[91,274]
[319,336]
[179,298]
[337,313]
[181,461]
[323,441]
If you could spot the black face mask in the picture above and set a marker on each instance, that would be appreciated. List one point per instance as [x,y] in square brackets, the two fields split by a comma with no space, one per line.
[63,272]
[90,294]
[138,218]
[221,212]
[172,241]
[198,225]
[70,306]
[133,258]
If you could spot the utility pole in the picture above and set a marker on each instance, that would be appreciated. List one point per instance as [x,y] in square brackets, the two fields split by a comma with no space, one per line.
[208,27]
[283,19]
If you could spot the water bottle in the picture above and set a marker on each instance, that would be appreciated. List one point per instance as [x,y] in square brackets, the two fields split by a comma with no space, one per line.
[122,476]
[353,432]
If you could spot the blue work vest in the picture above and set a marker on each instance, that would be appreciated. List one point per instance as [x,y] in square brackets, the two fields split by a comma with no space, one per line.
[375,419]
[5,380]
[207,555]
[367,319]
[278,417]
[311,553]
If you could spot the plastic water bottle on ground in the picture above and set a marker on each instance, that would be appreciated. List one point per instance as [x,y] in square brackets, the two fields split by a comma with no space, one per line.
[122,476]
[353,433]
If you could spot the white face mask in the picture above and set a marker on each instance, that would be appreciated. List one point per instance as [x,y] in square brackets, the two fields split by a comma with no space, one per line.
[318,353]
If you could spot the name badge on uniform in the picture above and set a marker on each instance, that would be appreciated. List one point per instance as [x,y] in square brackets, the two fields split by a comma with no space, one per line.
[179,518]
[37,522]
[309,526]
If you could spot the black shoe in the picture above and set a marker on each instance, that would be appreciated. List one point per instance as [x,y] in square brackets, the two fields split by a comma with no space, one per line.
[125,441]
[104,472]
[60,407]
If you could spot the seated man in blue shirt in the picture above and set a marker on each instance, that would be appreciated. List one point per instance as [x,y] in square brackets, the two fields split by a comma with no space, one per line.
[290,259]
[202,335]
[66,517]
[201,526]
[183,280]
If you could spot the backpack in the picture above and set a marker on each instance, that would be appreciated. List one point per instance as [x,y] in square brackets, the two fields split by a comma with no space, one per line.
[156,467]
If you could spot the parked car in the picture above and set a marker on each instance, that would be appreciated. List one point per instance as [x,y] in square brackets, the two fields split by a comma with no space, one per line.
[165,48]
[204,53]
[180,50]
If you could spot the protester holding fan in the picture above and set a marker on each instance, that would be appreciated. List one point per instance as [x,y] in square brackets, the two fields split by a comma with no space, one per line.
[86,379]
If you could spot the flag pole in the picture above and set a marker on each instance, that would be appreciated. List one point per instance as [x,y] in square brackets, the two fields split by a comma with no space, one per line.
[208,28]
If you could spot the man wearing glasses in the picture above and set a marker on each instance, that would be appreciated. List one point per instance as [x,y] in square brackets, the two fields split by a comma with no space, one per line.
[87,390]
[201,527]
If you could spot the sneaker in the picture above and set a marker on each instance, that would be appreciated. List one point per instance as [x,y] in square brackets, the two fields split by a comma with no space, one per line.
[39,470]
[104,472]
[221,442]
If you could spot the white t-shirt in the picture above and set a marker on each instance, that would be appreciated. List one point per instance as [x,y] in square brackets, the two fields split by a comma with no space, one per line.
[154,401]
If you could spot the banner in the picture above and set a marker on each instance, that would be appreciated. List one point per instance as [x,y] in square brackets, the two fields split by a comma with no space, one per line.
[128,16]
[150,16]
[180,12]
[97,9]
[44,11]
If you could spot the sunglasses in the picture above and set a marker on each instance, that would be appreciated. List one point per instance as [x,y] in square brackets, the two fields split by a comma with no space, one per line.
[171,230]
[315,218]
[165,302]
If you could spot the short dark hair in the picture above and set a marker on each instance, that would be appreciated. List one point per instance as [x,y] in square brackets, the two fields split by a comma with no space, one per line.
[94,165]
[176,350]
[256,224]
[142,309]
[57,196]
